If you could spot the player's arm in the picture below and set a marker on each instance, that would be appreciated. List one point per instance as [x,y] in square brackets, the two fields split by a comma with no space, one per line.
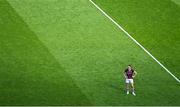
[134,75]
[125,74]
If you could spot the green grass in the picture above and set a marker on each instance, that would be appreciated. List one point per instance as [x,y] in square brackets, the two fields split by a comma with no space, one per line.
[176,1]
[30,75]
[153,23]
[65,52]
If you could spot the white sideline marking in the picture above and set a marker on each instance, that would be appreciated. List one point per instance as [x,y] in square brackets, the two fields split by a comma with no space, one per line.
[135,41]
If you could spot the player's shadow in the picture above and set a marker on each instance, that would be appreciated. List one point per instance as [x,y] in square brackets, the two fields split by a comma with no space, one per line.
[116,87]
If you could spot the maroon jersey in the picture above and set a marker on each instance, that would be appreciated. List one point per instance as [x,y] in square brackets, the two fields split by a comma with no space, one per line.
[129,73]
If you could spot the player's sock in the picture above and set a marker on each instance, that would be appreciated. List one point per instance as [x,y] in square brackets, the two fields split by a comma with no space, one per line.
[127,92]
[133,93]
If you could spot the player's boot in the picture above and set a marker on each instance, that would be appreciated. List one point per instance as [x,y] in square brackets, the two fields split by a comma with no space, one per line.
[127,92]
[133,93]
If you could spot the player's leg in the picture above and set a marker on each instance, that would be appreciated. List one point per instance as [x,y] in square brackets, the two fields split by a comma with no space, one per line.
[127,86]
[132,87]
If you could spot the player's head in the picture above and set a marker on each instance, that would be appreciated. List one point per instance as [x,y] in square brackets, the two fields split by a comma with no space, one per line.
[129,67]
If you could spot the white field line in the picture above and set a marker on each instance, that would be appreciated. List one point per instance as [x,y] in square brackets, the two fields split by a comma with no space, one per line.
[135,41]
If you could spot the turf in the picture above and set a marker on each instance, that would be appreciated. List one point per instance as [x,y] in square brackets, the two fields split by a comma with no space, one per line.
[153,23]
[177,2]
[73,55]
[30,75]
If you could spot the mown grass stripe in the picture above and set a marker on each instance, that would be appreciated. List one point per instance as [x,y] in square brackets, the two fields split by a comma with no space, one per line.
[30,75]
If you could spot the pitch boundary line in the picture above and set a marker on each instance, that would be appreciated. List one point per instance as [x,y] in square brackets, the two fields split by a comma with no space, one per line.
[142,47]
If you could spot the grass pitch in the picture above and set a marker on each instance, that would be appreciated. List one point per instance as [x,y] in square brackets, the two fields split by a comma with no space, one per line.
[65,52]
[153,23]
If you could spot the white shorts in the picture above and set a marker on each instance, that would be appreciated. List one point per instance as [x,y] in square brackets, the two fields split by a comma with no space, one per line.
[129,81]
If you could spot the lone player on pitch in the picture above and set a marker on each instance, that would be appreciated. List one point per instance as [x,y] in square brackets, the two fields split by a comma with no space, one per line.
[129,75]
